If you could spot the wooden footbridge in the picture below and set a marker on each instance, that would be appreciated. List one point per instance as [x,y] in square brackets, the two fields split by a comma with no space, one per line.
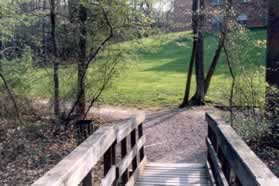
[118,152]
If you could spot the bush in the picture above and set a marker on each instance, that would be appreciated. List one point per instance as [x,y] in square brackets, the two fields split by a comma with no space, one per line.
[251,129]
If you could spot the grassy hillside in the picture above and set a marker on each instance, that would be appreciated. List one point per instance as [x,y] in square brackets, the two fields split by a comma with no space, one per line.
[159,74]
[154,73]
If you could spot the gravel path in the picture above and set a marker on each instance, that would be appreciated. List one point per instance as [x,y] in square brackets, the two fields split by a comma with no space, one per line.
[172,135]
[176,136]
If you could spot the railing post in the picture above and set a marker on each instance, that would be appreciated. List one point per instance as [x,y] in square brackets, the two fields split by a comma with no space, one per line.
[84,130]
[225,166]
[232,161]
[110,159]
[88,180]
[125,176]
[140,131]
[237,182]
[133,143]
[213,138]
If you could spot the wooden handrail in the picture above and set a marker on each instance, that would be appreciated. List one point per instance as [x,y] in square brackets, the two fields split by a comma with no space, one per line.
[77,167]
[231,160]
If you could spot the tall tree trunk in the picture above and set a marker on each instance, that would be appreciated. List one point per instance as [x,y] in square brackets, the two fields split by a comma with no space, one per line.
[44,39]
[11,95]
[1,50]
[198,99]
[214,62]
[189,77]
[82,61]
[221,44]
[200,94]
[272,59]
[218,51]
[73,8]
[54,59]
[193,55]
[0,55]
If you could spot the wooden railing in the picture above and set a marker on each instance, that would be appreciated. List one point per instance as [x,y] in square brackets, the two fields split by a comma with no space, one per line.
[230,160]
[77,167]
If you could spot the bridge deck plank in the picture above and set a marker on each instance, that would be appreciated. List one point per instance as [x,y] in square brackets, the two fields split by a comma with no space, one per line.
[172,174]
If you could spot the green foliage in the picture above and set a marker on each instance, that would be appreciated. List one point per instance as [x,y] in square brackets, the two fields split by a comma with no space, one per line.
[246,51]
[245,48]
[250,88]
[11,17]
[27,23]
[17,71]
[158,78]
[150,72]
[251,129]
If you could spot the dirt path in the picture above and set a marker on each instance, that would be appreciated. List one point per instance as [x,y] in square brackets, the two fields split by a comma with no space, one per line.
[172,135]
[177,136]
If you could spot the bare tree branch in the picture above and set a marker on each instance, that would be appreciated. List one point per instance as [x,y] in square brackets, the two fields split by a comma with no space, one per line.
[2,52]
[233,83]
[10,95]
[105,83]
[92,58]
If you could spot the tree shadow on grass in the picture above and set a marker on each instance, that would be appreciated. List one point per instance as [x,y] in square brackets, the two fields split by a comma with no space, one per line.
[181,65]
[174,56]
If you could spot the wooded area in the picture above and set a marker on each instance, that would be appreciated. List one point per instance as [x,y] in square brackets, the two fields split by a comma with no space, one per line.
[61,61]
[64,33]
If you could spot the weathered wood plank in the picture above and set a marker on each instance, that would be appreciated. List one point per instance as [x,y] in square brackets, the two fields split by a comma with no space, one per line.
[110,177]
[173,174]
[180,175]
[203,172]
[88,180]
[169,184]
[249,169]
[124,129]
[73,168]
[172,177]
[109,160]
[133,143]
[124,164]
[182,181]
[175,171]
[140,133]
[135,175]
[210,174]
[217,171]
[176,168]
[125,176]
[175,165]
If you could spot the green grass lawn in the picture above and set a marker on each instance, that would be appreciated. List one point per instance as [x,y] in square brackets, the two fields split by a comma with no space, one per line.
[159,74]
[154,73]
